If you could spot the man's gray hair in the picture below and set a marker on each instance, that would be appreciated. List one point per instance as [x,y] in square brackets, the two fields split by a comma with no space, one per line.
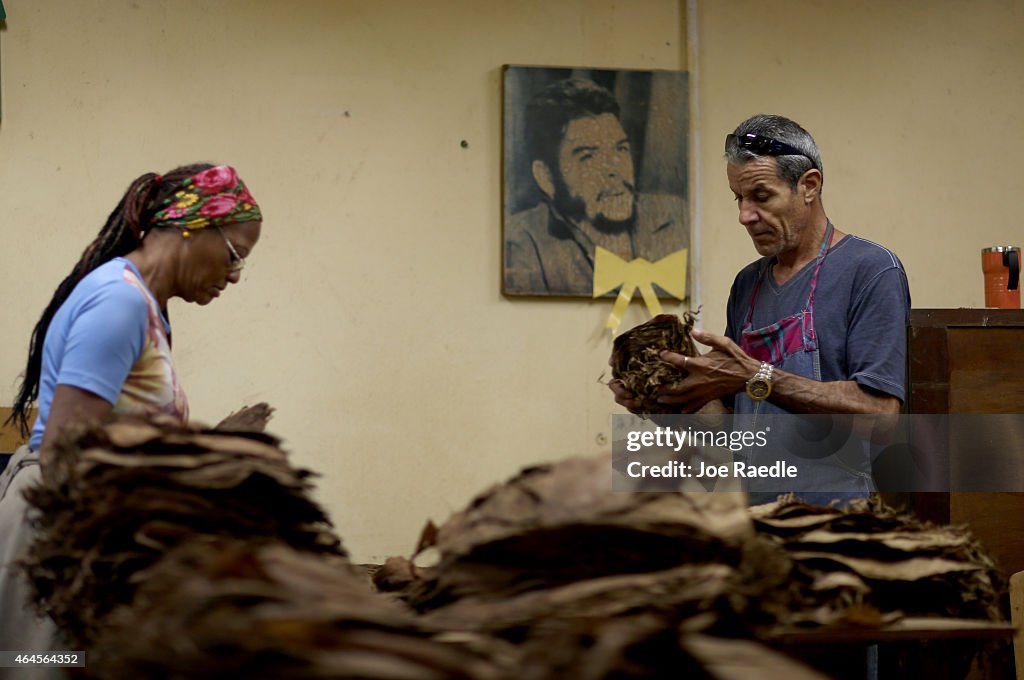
[782,129]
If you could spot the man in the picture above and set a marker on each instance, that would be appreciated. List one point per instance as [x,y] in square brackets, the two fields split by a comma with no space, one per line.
[582,162]
[817,324]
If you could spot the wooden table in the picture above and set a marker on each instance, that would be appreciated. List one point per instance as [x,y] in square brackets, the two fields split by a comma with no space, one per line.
[912,648]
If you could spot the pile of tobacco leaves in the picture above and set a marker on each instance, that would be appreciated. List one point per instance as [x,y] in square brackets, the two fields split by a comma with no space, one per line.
[587,583]
[217,607]
[879,560]
[553,554]
[636,360]
[116,498]
[168,552]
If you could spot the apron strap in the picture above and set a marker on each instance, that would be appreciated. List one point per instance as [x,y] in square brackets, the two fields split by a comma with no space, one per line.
[826,244]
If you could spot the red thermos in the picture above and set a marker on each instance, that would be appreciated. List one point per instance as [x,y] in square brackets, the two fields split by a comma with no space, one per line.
[1001,266]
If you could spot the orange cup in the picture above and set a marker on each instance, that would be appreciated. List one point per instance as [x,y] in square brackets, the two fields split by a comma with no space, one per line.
[1001,265]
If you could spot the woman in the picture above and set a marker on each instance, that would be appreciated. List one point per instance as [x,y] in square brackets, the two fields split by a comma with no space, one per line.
[103,343]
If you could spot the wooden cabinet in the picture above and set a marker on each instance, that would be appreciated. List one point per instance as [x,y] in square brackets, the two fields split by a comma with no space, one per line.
[970,361]
[965,361]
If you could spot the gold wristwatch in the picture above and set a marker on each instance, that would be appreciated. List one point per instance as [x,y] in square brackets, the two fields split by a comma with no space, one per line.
[760,386]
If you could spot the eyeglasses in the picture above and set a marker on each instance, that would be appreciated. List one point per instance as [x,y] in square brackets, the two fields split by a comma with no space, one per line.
[237,261]
[764,146]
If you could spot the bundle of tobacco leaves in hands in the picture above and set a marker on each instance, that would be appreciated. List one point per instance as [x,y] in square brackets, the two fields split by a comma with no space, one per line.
[636,357]
[222,609]
[115,498]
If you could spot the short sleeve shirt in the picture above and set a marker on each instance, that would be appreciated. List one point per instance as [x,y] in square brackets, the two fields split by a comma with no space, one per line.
[861,311]
[111,339]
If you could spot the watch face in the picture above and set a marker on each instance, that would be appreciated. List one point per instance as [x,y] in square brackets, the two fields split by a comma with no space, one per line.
[758,389]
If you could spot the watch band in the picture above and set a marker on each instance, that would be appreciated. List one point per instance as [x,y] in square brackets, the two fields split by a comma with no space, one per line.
[765,371]
[759,387]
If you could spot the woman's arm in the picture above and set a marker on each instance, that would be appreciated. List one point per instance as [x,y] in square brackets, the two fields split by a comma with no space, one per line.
[72,404]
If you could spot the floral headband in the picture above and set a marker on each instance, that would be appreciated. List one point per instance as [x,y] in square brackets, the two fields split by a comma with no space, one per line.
[214,197]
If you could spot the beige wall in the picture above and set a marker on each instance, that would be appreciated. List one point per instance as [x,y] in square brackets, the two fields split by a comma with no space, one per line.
[370,314]
[916,106]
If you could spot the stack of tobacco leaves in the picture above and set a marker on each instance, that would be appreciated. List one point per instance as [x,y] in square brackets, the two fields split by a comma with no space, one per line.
[870,564]
[555,537]
[223,609]
[641,646]
[115,498]
[577,576]
[636,359]
[169,552]
[581,578]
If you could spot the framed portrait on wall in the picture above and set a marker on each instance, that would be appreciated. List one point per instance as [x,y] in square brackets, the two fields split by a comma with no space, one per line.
[594,160]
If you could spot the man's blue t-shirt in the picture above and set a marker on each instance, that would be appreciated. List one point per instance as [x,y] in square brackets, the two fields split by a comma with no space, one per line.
[861,311]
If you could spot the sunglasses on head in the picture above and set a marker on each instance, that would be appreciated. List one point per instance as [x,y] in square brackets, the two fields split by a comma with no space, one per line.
[762,146]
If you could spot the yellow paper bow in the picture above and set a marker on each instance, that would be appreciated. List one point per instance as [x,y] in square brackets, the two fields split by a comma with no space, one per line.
[611,271]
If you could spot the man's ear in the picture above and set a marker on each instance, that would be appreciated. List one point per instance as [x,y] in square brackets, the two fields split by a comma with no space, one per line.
[543,177]
[810,185]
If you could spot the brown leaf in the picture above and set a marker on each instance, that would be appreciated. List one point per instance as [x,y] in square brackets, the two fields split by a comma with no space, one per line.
[248,419]
[636,359]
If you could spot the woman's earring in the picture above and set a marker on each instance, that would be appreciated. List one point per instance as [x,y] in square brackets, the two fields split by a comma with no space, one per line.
[186,233]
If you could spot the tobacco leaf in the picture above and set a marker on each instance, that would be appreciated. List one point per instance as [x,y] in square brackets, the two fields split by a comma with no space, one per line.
[675,593]
[557,524]
[220,608]
[909,566]
[170,552]
[637,363]
[115,498]
[248,419]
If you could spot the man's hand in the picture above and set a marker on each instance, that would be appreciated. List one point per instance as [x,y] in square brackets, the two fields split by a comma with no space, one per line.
[726,368]
[624,397]
[634,404]
[721,372]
